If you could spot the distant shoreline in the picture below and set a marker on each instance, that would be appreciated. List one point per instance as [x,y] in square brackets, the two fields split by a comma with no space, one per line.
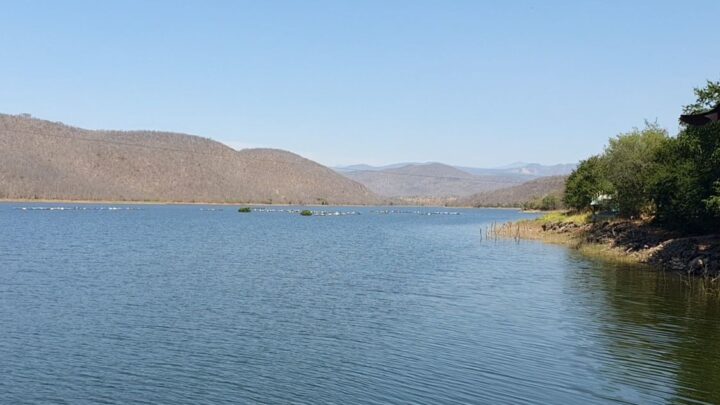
[144,202]
[141,202]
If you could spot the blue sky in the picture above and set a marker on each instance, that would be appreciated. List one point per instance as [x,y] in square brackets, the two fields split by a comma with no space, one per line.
[464,82]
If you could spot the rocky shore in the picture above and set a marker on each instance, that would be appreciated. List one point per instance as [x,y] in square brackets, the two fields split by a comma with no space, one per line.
[629,241]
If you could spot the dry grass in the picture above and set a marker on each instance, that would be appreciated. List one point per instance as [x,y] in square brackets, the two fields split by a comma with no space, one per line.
[436,182]
[626,242]
[516,196]
[564,218]
[572,236]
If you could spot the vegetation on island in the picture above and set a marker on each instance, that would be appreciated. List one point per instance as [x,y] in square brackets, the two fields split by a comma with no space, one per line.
[306,213]
[245,209]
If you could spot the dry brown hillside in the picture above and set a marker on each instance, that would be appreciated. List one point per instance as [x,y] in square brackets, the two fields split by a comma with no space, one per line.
[430,180]
[49,160]
[517,195]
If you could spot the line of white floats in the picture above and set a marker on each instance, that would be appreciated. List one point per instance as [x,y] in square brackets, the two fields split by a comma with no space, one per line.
[389,212]
[321,213]
[341,213]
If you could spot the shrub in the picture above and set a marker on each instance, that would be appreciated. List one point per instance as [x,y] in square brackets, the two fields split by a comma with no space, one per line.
[645,171]
[306,213]
[547,203]
[244,209]
[685,188]
[707,97]
[629,163]
[585,183]
[625,170]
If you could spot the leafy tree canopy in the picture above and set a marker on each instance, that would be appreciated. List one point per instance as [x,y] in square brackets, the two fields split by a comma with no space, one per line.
[708,97]
[629,164]
[586,182]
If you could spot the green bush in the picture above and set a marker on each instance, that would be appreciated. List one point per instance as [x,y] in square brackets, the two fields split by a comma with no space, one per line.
[624,171]
[706,98]
[646,172]
[306,213]
[585,183]
[546,203]
[686,186]
[245,209]
[629,163]
[550,202]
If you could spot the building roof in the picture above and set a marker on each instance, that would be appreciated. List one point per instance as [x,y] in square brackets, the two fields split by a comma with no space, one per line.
[601,199]
[702,118]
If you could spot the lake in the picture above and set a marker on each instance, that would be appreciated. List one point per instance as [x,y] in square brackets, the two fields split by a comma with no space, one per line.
[202,304]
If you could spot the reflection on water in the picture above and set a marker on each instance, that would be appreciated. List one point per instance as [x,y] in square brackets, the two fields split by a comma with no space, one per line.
[184,305]
[656,328]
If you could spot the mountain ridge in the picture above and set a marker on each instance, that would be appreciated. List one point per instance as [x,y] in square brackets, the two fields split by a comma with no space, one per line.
[41,159]
[516,196]
[428,180]
[433,181]
[516,168]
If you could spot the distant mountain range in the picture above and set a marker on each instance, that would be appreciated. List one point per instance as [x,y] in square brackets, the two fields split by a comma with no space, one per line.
[526,169]
[364,167]
[433,181]
[515,196]
[48,160]
[517,168]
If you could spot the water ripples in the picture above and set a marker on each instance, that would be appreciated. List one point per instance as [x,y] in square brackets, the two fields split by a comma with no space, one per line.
[172,305]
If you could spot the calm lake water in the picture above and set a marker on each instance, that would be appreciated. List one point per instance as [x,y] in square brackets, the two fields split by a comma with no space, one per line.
[182,305]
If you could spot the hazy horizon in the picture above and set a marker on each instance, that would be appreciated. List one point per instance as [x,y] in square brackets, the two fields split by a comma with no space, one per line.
[462,83]
[240,146]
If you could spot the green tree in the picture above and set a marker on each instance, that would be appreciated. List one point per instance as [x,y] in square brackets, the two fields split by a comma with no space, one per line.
[629,164]
[712,203]
[707,97]
[548,202]
[585,183]
[686,188]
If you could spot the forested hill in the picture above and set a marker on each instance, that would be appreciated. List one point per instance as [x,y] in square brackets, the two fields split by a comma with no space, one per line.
[48,160]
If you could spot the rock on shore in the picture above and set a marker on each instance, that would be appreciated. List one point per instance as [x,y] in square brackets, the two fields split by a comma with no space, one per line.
[636,240]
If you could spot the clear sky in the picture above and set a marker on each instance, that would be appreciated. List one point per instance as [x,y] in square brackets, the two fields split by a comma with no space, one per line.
[464,82]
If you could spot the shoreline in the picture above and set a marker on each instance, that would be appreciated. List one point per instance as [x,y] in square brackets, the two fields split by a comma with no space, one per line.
[624,241]
[142,202]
